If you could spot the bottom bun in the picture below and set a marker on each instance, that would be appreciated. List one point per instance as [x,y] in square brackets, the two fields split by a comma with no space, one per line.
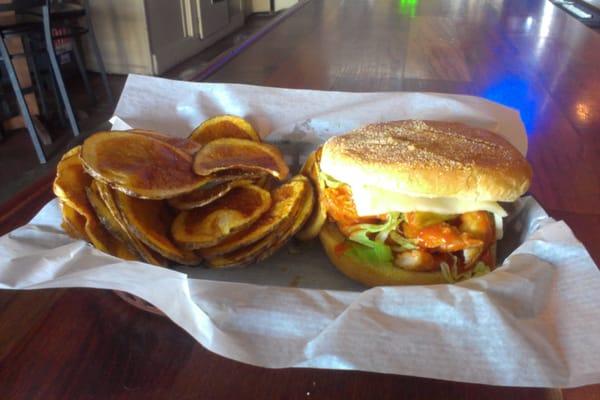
[383,274]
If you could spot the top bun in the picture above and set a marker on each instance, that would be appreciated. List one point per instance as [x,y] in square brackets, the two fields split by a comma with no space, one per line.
[429,159]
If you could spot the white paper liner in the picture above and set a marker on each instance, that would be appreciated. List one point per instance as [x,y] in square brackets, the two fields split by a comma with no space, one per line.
[532,322]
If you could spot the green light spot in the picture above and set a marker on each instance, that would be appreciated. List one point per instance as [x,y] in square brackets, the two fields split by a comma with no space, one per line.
[408,7]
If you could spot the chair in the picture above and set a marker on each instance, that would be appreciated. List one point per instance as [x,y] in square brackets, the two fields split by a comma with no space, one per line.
[26,30]
[10,30]
[66,15]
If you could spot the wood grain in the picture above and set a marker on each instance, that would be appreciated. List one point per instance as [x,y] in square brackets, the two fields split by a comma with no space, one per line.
[434,52]
[91,344]
[25,204]
[525,54]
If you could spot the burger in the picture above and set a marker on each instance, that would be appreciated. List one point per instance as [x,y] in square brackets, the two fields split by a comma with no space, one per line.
[417,202]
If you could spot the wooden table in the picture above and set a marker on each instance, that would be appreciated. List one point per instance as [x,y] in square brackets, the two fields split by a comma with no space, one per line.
[80,343]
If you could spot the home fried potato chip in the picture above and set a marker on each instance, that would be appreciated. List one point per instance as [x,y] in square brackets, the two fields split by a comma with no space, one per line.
[189,146]
[71,181]
[143,194]
[104,241]
[108,197]
[286,200]
[318,216]
[224,126]
[273,241]
[73,222]
[106,218]
[267,182]
[245,255]
[255,177]
[139,165]
[208,226]
[149,255]
[150,221]
[298,220]
[70,186]
[225,154]
[119,249]
[206,194]
[69,230]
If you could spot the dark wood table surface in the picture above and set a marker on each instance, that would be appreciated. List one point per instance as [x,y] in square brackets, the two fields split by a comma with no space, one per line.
[527,54]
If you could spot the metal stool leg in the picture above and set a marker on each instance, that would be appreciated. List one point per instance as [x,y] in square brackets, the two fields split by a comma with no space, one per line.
[30,55]
[5,108]
[21,101]
[51,82]
[56,71]
[97,54]
[47,82]
[82,71]
[3,103]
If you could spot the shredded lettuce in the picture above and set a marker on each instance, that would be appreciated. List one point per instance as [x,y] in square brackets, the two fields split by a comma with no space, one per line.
[329,181]
[360,232]
[402,243]
[373,250]
[452,275]
[378,254]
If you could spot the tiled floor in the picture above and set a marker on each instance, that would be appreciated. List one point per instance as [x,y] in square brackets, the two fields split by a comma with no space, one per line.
[19,167]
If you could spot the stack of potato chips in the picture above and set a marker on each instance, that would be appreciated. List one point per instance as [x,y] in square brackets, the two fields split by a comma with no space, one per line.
[219,197]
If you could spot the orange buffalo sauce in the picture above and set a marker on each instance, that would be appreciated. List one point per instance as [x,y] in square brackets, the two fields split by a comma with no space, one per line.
[446,238]
[340,206]
[341,248]
[471,229]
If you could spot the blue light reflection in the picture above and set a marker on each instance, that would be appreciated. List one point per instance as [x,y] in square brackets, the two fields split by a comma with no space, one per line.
[514,91]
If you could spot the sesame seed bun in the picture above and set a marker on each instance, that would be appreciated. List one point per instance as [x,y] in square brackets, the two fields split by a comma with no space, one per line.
[429,159]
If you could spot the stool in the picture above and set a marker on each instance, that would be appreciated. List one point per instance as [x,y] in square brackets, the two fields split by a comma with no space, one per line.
[28,30]
[65,15]
[20,29]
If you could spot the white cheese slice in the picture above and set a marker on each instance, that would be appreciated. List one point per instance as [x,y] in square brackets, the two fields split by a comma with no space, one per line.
[499,226]
[371,200]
